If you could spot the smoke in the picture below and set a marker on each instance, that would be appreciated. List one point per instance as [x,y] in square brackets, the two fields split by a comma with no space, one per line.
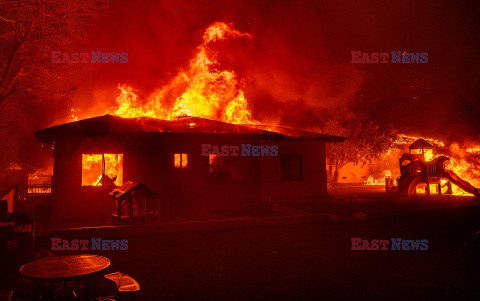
[287,60]
[297,62]
[299,58]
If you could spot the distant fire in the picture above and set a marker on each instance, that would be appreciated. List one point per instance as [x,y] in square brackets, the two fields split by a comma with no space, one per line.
[39,183]
[380,181]
[464,162]
[405,139]
[204,90]
[467,169]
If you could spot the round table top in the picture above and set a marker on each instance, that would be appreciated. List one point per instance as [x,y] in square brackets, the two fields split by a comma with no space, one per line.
[64,267]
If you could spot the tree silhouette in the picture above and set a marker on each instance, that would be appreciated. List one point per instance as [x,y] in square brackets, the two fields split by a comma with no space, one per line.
[29,31]
[365,139]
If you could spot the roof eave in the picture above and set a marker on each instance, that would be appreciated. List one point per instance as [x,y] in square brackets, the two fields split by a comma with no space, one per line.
[329,139]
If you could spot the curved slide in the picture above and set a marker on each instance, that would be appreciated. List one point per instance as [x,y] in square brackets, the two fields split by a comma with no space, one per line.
[464,185]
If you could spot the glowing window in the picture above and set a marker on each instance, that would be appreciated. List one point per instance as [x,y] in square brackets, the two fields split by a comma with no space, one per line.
[216,163]
[96,167]
[429,156]
[224,169]
[180,160]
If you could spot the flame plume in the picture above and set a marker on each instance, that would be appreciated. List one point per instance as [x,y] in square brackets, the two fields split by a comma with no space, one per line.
[205,90]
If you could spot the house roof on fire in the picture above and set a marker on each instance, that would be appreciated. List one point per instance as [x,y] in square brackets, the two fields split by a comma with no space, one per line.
[294,134]
[109,124]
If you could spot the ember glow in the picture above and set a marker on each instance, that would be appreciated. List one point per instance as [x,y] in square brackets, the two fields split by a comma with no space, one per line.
[406,139]
[204,90]
[74,114]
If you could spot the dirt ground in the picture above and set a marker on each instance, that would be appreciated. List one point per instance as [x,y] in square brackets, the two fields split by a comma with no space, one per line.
[309,260]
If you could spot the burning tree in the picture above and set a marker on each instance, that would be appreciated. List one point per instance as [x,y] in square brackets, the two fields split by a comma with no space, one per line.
[365,139]
[30,30]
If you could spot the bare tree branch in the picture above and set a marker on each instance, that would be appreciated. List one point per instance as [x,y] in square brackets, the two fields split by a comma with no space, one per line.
[6,20]
[33,30]
[10,91]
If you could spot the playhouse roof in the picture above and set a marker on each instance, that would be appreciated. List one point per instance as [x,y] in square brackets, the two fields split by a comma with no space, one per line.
[109,124]
[421,144]
[130,188]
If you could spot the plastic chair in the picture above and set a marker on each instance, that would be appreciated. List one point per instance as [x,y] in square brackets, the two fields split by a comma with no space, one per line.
[127,286]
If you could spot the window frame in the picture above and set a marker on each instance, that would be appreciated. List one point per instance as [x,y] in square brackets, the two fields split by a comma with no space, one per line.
[103,167]
[289,175]
[181,166]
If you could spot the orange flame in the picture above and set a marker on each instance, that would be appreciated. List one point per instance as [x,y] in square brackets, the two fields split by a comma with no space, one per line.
[180,160]
[465,169]
[203,90]
[464,161]
[74,114]
[92,168]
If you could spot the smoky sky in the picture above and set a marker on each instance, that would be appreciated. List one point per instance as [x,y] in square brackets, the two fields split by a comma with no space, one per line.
[300,57]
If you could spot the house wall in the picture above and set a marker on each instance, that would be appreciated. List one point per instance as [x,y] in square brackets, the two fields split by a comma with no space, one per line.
[148,158]
[73,201]
[314,182]
[191,192]
[186,193]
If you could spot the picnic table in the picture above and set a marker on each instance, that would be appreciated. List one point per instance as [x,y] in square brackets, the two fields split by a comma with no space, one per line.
[49,271]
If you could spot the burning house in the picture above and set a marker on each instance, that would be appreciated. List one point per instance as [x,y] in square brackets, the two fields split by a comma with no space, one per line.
[166,156]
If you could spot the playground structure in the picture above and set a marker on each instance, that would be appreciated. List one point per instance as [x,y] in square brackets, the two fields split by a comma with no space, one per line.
[421,170]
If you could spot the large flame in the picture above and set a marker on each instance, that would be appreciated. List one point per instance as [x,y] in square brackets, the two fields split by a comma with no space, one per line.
[466,167]
[203,90]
